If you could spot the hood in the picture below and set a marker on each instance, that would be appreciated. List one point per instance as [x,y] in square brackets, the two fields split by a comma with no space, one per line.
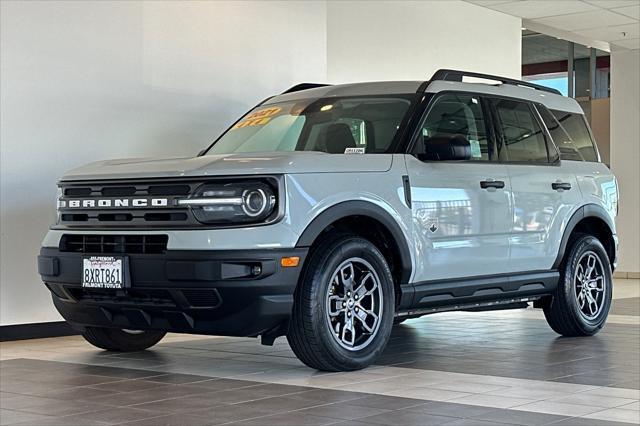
[232,164]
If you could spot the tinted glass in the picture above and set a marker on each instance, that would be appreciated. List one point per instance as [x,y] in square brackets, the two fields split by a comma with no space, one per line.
[579,145]
[560,137]
[522,135]
[332,125]
[457,114]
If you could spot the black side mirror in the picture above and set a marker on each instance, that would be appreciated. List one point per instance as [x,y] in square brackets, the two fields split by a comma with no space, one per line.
[446,147]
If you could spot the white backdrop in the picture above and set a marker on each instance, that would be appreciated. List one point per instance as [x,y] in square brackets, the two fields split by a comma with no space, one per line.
[82,81]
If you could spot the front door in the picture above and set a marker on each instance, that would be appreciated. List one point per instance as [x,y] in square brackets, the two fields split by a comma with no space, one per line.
[461,209]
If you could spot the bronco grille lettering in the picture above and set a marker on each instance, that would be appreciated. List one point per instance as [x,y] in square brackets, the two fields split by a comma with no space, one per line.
[113,203]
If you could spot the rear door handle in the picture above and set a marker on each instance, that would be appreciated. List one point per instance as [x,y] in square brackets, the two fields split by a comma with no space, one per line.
[486,184]
[561,186]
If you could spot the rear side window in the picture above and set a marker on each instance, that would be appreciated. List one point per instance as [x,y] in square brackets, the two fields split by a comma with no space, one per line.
[579,145]
[522,135]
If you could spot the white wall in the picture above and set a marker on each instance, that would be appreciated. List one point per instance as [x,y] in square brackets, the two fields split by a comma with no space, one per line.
[625,152]
[383,41]
[82,81]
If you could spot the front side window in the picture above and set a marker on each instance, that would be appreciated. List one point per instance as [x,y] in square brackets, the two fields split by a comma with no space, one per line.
[455,115]
[579,145]
[522,136]
[331,125]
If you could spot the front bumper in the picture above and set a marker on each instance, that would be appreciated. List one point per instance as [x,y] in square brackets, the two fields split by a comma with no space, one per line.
[186,291]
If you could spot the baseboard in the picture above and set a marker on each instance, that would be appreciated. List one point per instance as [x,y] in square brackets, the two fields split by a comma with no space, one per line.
[35,331]
[629,275]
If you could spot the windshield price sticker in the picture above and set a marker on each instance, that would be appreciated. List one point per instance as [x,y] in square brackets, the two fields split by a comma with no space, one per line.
[258,118]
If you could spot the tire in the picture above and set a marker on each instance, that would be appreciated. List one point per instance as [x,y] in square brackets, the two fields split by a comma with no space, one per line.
[569,313]
[117,340]
[312,331]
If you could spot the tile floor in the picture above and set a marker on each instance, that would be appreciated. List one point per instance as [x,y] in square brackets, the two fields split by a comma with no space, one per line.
[490,368]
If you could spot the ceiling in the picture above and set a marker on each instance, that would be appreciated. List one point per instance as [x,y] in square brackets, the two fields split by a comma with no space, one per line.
[606,24]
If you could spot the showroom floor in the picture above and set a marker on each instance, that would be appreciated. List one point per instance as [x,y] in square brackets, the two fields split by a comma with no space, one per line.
[490,368]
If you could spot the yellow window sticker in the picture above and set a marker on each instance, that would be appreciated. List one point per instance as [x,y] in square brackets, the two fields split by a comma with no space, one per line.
[258,118]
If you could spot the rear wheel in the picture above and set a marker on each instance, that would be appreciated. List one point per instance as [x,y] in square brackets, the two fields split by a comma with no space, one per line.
[344,305]
[120,340]
[581,303]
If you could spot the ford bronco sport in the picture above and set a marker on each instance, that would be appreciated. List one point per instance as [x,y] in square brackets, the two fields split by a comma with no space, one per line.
[329,213]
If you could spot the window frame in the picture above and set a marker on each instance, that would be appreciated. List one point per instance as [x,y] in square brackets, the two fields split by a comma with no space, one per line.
[488,124]
[503,152]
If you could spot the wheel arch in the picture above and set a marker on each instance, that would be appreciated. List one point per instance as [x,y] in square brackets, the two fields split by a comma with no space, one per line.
[594,220]
[363,218]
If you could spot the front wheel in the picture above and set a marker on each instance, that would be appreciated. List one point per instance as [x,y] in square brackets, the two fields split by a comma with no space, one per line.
[581,303]
[120,340]
[343,307]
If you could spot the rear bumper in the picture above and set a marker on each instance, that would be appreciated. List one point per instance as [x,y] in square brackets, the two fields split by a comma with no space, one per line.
[200,292]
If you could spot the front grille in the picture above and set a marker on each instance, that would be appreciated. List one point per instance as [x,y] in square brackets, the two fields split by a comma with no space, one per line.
[168,214]
[114,244]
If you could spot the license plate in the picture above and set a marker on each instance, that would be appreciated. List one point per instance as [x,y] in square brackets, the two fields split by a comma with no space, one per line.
[103,272]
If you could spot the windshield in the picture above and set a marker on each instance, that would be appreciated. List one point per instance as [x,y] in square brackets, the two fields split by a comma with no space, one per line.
[331,125]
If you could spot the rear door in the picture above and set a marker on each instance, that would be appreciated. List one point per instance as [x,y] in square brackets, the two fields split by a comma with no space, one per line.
[544,192]
[461,209]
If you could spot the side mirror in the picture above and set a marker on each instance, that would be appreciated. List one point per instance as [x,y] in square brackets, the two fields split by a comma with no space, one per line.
[446,147]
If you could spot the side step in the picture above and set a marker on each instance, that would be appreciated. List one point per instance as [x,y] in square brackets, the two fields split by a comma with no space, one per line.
[514,303]
[501,307]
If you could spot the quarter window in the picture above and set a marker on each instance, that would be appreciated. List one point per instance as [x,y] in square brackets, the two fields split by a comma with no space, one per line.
[457,114]
[579,145]
[522,135]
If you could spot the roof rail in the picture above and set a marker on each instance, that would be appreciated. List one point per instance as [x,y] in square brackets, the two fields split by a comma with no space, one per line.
[304,86]
[456,75]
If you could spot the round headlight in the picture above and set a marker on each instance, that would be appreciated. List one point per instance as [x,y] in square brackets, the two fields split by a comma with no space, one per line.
[254,202]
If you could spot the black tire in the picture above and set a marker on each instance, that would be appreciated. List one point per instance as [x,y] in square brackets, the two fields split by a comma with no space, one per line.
[563,313]
[310,334]
[117,340]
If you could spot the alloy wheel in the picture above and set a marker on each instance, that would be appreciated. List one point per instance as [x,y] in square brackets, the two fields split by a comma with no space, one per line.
[590,286]
[354,304]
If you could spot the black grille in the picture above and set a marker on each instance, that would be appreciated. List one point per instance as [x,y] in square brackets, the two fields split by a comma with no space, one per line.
[98,215]
[114,244]
[202,298]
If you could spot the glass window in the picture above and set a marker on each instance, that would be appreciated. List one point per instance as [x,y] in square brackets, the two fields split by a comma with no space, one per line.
[331,125]
[521,133]
[457,114]
[579,145]
[559,135]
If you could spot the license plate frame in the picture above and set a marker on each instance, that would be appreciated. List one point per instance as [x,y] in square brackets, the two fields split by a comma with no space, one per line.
[105,272]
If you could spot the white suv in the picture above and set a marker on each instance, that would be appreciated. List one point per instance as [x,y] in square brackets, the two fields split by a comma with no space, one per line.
[329,213]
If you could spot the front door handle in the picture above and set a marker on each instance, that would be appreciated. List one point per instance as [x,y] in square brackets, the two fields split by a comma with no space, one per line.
[486,184]
[561,186]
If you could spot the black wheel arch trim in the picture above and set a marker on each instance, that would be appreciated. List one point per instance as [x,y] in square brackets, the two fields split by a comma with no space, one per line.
[586,211]
[360,208]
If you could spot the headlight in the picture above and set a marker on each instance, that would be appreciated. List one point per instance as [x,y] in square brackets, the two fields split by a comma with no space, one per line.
[229,203]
